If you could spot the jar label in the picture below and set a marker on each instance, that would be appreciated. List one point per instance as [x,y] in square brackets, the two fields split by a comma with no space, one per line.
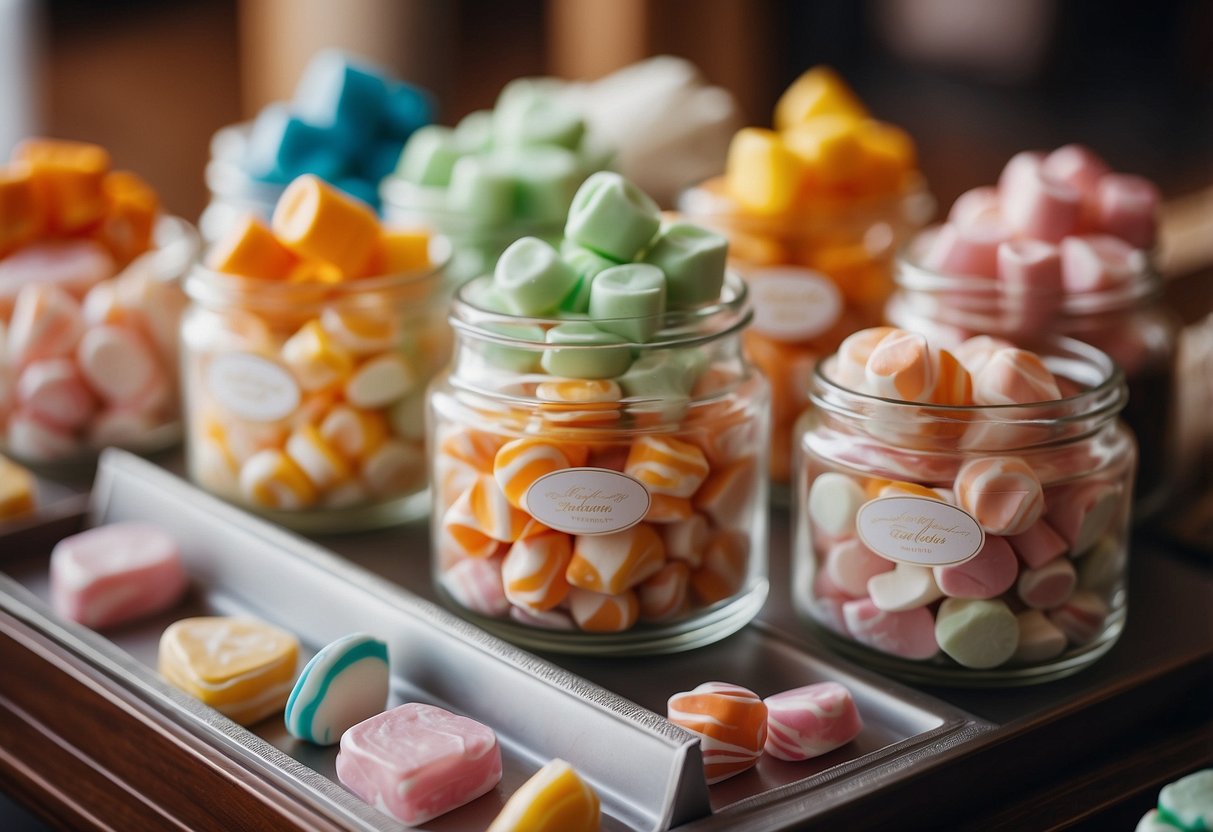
[793,304]
[588,501]
[919,530]
[252,387]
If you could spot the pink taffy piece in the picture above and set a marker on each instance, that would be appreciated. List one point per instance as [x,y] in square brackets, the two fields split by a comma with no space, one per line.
[909,634]
[810,721]
[32,439]
[1001,492]
[116,573]
[975,352]
[1076,166]
[416,762]
[1098,262]
[1081,617]
[974,207]
[47,323]
[71,265]
[1014,376]
[849,565]
[53,392]
[1029,275]
[1049,586]
[1037,206]
[967,249]
[1126,206]
[988,574]
[1023,165]
[118,363]
[1038,545]
[476,584]
[1082,512]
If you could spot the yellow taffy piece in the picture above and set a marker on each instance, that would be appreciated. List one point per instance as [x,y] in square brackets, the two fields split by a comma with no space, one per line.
[817,92]
[761,173]
[555,799]
[242,667]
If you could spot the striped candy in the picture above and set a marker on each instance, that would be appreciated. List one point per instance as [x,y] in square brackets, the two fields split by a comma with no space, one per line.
[900,368]
[534,571]
[596,612]
[725,563]
[810,721]
[612,563]
[518,464]
[664,595]
[667,465]
[730,721]
[1001,492]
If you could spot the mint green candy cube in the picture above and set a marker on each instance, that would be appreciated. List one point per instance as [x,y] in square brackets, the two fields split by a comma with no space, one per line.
[474,132]
[481,190]
[520,359]
[592,353]
[693,261]
[531,278]
[546,180]
[586,265]
[629,300]
[429,156]
[612,216]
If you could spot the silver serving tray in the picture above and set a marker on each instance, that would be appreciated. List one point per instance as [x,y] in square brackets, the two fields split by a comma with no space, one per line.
[646,770]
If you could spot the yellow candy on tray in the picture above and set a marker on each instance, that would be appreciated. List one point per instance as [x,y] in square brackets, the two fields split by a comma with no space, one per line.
[555,799]
[241,667]
[17,490]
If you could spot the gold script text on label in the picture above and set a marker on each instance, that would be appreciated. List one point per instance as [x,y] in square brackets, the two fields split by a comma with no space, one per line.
[919,530]
[792,304]
[588,501]
[252,387]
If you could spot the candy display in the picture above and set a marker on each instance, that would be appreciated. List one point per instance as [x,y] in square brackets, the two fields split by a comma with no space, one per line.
[1061,245]
[89,305]
[241,667]
[595,481]
[116,573]
[347,124]
[18,490]
[555,799]
[814,210]
[344,684]
[810,721]
[946,526]
[416,762]
[731,723]
[496,176]
[307,350]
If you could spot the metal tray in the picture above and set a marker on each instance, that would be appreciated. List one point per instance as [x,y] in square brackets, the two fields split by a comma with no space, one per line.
[645,769]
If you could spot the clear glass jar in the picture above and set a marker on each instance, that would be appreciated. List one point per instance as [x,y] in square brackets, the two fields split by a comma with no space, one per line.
[619,514]
[982,545]
[476,245]
[113,380]
[1128,322]
[815,277]
[305,402]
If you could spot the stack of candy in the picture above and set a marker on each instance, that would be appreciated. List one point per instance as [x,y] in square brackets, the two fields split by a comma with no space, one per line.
[347,124]
[735,726]
[631,403]
[308,350]
[814,210]
[1061,245]
[88,310]
[497,175]
[970,517]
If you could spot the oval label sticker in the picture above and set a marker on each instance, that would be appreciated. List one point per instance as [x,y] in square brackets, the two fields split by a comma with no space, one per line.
[587,501]
[918,530]
[252,387]
[793,304]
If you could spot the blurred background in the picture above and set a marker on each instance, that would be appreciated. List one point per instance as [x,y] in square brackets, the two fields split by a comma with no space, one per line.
[973,81]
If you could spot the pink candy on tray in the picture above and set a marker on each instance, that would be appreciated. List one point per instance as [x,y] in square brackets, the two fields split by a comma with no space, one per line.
[117,573]
[416,762]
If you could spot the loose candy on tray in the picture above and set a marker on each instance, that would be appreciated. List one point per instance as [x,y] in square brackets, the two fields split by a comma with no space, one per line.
[117,573]
[810,721]
[242,667]
[1188,802]
[345,683]
[416,762]
[730,721]
[554,799]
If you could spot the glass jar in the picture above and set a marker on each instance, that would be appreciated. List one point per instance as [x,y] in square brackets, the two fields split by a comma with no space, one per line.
[305,402]
[815,277]
[617,508]
[476,244]
[105,372]
[982,545]
[1128,322]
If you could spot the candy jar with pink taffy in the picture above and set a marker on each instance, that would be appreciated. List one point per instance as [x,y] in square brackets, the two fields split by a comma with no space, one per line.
[1061,245]
[962,516]
[89,307]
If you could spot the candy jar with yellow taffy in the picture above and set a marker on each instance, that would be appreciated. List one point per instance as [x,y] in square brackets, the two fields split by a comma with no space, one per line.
[89,306]
[307,348]
[598,445]
[814,210]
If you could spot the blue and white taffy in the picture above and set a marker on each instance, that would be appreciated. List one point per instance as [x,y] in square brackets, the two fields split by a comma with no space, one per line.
[343,684]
